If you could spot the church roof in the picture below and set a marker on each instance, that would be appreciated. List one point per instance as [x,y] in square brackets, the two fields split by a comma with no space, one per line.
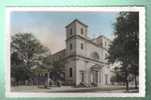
[76,20]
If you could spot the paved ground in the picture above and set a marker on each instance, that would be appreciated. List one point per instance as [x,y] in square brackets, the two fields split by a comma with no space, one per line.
[102,89]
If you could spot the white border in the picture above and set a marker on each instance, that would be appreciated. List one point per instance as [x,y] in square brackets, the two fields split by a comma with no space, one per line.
[141,11]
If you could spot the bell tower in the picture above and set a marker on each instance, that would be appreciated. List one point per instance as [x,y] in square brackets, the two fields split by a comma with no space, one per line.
[76,32]
[76,28]
[76,35]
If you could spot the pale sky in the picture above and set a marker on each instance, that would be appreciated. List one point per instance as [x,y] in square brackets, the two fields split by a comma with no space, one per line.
[49,27]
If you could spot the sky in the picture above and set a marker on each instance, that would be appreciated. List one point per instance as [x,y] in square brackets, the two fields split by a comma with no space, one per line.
[49,27]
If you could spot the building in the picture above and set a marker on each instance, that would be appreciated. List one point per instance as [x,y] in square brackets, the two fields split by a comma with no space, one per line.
[84,57]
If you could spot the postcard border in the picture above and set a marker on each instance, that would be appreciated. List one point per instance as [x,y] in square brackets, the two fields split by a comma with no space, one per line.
[142,49]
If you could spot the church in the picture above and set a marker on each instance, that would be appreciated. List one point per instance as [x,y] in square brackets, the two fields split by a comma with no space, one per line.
[85,58]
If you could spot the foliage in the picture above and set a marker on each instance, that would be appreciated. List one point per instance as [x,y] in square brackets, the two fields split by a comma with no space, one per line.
[125,46]
[26,53]
[118,75]
[58,70]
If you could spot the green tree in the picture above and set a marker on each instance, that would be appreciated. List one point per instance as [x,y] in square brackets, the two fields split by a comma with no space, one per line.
[26,53]
[58,70]
[125,46]
[118,75]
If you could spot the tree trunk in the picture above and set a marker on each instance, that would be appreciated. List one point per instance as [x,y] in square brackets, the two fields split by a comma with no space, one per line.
[127,82]
[135,82]
[127,85]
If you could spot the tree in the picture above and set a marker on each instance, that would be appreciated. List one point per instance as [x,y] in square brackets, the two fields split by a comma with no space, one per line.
[58,70]
[118,75]
[125,46]
[26,53]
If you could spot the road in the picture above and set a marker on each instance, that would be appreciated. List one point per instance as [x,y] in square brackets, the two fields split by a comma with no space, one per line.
[67,89]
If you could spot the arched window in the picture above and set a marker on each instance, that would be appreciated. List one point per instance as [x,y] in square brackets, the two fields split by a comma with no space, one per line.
[70,46]
[71,31]
[82,46]
[95,55]
[81,30]
[70,72]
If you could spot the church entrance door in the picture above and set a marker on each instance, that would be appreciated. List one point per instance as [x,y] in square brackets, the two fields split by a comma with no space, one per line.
[94,77]
[82,74]
[95,69]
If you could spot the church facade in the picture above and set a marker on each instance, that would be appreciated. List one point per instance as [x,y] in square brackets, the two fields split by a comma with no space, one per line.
[84,57]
